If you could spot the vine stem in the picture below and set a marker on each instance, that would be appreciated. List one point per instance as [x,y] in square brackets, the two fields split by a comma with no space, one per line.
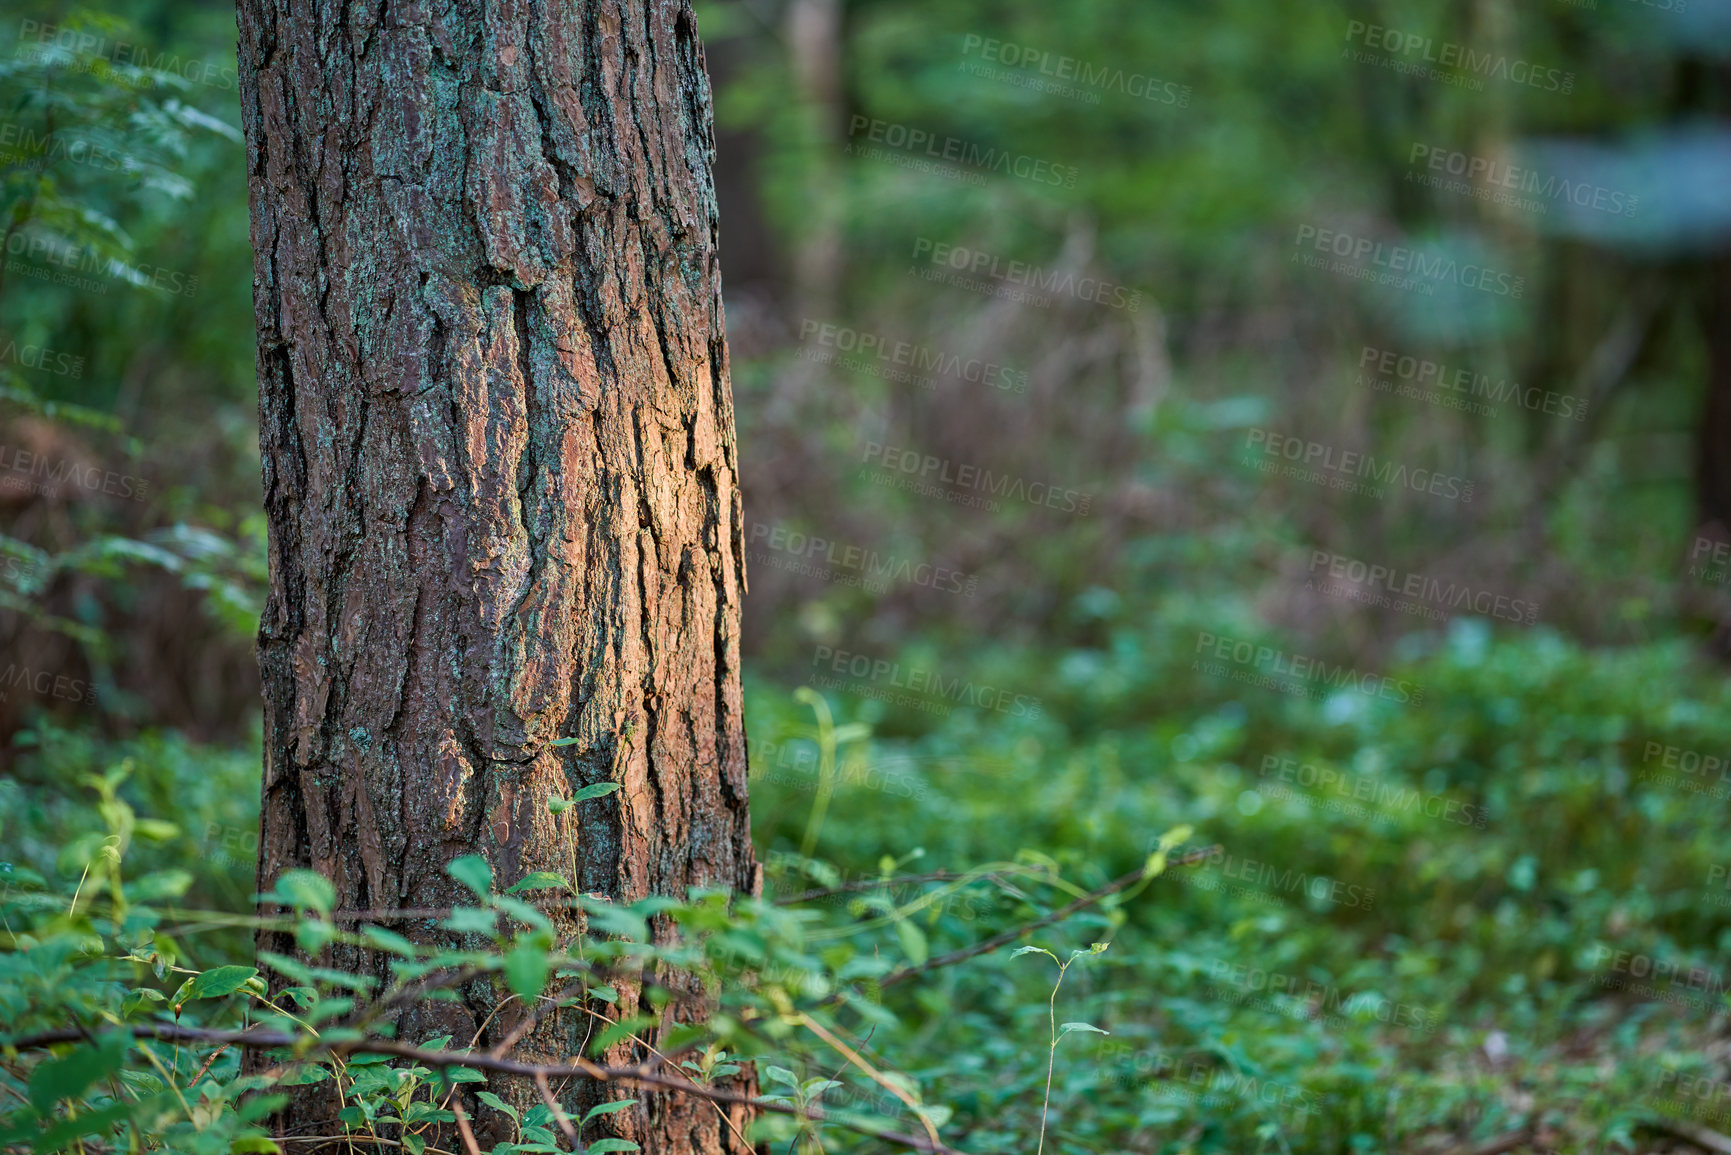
[1052,1052]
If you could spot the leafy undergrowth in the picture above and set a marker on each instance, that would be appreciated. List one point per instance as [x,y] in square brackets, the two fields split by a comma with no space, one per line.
[1265,922]
[1502,912]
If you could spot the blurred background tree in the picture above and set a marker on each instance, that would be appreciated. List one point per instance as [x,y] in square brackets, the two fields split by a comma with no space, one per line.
[1185,200]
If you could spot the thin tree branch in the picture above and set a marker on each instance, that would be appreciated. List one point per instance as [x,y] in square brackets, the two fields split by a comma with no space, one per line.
[872,1073]
[409,993]
[351,1139]
[213,1057]
[898,880]
[577,1068]
[1702,1137]
[559,1115]
[463,1128]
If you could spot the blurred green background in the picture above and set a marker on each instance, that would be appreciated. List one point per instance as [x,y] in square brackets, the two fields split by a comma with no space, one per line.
[1110,230]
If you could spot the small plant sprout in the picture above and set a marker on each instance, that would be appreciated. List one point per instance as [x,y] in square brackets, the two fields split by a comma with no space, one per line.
[558,805]
[803,1093]
[1058,1032]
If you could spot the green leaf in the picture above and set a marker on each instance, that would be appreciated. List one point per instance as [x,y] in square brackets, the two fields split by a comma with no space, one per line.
[367,1059]
[160,885]
[472,920]
[464,1075]
[139,999]
[851,732]
[70,1074]
[541,880]
[301,1076]
[257,1145]
[220,981]
[1175,836]
[526,972]
[937,1114]
[305,889]
[609,919]
[619,1030]
[905,1082]
[913,941]
[155,829]
[781,1075]
[523,912]
[599,790]
[388,940]
[473,872]
[311,935]
[290,968]
[23,876]
[97,1122]
[601,1146]
[259,1106]
[607,1109]
[499,1104]
[1068,1027]
[1022,950]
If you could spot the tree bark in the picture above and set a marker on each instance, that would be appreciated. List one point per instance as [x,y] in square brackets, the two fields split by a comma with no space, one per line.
[499,469]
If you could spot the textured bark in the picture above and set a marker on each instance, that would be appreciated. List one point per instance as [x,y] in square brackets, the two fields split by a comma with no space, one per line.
[499,466]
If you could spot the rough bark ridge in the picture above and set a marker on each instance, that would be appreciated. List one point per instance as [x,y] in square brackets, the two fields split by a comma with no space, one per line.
[499,461]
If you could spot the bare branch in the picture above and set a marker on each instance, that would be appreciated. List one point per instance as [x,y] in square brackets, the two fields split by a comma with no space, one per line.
[463,1128]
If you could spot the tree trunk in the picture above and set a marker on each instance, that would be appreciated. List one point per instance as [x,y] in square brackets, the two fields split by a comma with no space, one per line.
[499,469]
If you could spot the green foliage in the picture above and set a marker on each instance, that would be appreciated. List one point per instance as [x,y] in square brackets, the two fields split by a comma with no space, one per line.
[1432,979]
[107,962]
[115,146]
[1230,1007]
[1463,873]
